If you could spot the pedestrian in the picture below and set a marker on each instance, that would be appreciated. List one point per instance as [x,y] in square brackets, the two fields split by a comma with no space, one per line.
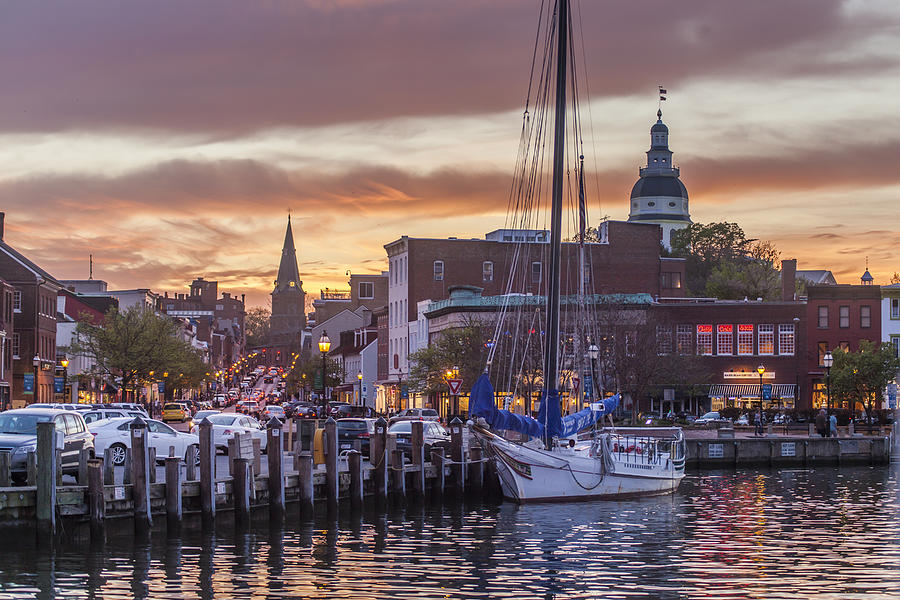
[759,424]
[832,421]
[821,422]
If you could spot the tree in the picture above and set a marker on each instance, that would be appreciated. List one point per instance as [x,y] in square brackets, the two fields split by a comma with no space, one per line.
[464,348]
[304,374]
[257,323]
[136,345]
[895,278]
[752,276]
[861,377]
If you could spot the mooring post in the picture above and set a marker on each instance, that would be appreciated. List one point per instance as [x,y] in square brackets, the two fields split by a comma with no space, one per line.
[96,501]
[241,490]
[192,458]
[398,475]
[109,469]
[418,458]
[305,475]
[234,445]
[46,477]
[331,463]
[84,455]
[379,459]
[476,471]
[152,462]
[4,469]
[288,443]
[275,457]
[207,470]
[354,466]
[173,492]
[456,454]
[31,468]
[59,480]
[257,456]
[126,478]
[437,459]
[140,476]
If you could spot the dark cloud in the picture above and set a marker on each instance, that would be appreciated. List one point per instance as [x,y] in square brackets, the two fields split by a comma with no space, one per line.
[231,67]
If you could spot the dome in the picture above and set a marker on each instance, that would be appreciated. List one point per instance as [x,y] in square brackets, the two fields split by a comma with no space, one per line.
[659,127]
[658,185]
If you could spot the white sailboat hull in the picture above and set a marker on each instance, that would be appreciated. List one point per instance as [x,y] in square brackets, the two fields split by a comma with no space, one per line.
[536,475]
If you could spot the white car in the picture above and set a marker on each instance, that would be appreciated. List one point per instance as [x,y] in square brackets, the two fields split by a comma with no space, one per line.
[225,425]
[115,434]
[100,414]
[710,417]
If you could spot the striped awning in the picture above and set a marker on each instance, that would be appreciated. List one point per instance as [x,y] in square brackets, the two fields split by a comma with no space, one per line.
[750,390]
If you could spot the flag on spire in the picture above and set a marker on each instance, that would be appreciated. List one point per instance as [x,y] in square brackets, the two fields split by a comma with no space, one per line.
[662,93]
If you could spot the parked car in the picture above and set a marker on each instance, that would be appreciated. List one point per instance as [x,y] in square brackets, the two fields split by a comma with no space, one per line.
[99,414]
[220,400]
[333,409]
[175,411]
[710,417]
[416,414]
[742,420]
[349,431]
[115,434]
[299,409]
[18,436]
[129,406]
[225,425]
[248,407]
[434,435]
[201,414]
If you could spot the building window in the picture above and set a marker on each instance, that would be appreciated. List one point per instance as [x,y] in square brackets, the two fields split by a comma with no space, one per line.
[844,315]
[725,339]
[17,301]
[786,339]
[745,340]
[683,338]
[895,308]
[587,275]
[766,339]
[535,272]
[823,348]
[438,270]
[895,344]
[663,339]
[823,317]
[670,280]
[487,271]
[15,345]
[844,346]
[366,290]
[704,339]
[865,316]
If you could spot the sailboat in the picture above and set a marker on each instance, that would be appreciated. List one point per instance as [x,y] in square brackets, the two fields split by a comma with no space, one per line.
[551,457]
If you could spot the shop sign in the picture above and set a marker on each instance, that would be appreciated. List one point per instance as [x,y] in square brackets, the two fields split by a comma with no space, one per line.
[747,375]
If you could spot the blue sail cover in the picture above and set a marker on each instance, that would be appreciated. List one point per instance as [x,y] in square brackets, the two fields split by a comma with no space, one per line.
[481,404]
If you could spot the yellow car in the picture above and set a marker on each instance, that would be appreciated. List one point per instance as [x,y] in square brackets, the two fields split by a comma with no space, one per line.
[175,412]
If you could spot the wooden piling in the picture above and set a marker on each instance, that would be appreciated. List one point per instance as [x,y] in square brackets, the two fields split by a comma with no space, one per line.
[437,459]
[59,473]
[96,501]
[207,470]
[398,476]
[193,453]
[31,468]
[305,475]
[275,457]
[456,454]
[152,462]
[476,471]
[46,478]
[173,492]
[140,474]
[126,479]
[331,463]
[418,458]
[233,451]
[4,469]
[354,466]
[84,455]
[241,490]
[109,469]
[257,455]
[289,438]
[379,459]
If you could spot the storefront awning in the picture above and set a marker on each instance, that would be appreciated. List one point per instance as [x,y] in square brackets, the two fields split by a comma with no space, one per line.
[750,390]
[345,387]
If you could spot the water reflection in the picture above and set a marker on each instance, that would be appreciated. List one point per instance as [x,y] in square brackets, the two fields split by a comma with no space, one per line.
[766,534]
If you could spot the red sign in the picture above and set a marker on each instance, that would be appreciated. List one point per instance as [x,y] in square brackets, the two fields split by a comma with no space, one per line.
[704,328]
[745,328]
[455,385]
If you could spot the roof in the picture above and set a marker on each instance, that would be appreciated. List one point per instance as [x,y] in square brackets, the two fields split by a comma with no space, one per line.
[28,264]
[287,270]
[818,277]
[659,185]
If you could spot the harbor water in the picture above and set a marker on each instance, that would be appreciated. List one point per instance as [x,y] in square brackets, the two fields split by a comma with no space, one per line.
[825,532]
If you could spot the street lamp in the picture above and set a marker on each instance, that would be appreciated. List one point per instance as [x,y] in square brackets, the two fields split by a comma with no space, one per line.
[760,369]
[36,363]
[827,361]
[324,347]
[593,352]
[64,363]
[359,379]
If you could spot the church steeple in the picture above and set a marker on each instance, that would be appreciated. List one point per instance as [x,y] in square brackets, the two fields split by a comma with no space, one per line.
[288,273]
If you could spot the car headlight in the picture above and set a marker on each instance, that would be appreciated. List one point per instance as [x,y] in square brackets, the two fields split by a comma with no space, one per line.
[25,449]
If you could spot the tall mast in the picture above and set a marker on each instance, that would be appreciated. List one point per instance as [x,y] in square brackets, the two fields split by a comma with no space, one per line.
[551,340]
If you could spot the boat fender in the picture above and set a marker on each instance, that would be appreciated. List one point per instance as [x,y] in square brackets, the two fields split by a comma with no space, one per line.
[571,443]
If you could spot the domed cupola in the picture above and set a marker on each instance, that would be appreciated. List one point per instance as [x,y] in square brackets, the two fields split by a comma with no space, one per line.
[659,196]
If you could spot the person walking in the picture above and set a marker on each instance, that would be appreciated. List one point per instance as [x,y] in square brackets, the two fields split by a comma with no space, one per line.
[832,421]
[821,423]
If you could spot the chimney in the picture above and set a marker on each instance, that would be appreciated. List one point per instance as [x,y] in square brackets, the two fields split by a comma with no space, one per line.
[2,217]
[788,279]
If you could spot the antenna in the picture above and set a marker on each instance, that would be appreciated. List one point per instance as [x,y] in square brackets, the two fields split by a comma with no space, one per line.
[91,267]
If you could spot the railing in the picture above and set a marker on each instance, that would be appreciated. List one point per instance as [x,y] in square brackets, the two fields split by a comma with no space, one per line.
[642,446]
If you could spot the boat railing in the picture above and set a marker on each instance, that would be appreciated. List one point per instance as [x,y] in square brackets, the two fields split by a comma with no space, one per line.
[643,446]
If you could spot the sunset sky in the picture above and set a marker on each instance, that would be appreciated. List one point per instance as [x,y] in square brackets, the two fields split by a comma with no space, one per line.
[170,138]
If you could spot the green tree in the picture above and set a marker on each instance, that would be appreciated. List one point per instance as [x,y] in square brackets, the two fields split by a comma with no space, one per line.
[257,322]
[861,377]
[895,278]
[463,348]
[304,375]
[136,345]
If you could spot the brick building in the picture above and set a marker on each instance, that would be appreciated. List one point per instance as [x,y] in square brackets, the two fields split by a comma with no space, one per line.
[33,344]
[369,290]
[6,330]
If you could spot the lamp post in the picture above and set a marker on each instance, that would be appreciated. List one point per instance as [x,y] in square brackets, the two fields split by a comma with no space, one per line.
[359,379]
[593,352]
[324,347]
[760,369]
[36,363]
[65,369]
[827,361]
